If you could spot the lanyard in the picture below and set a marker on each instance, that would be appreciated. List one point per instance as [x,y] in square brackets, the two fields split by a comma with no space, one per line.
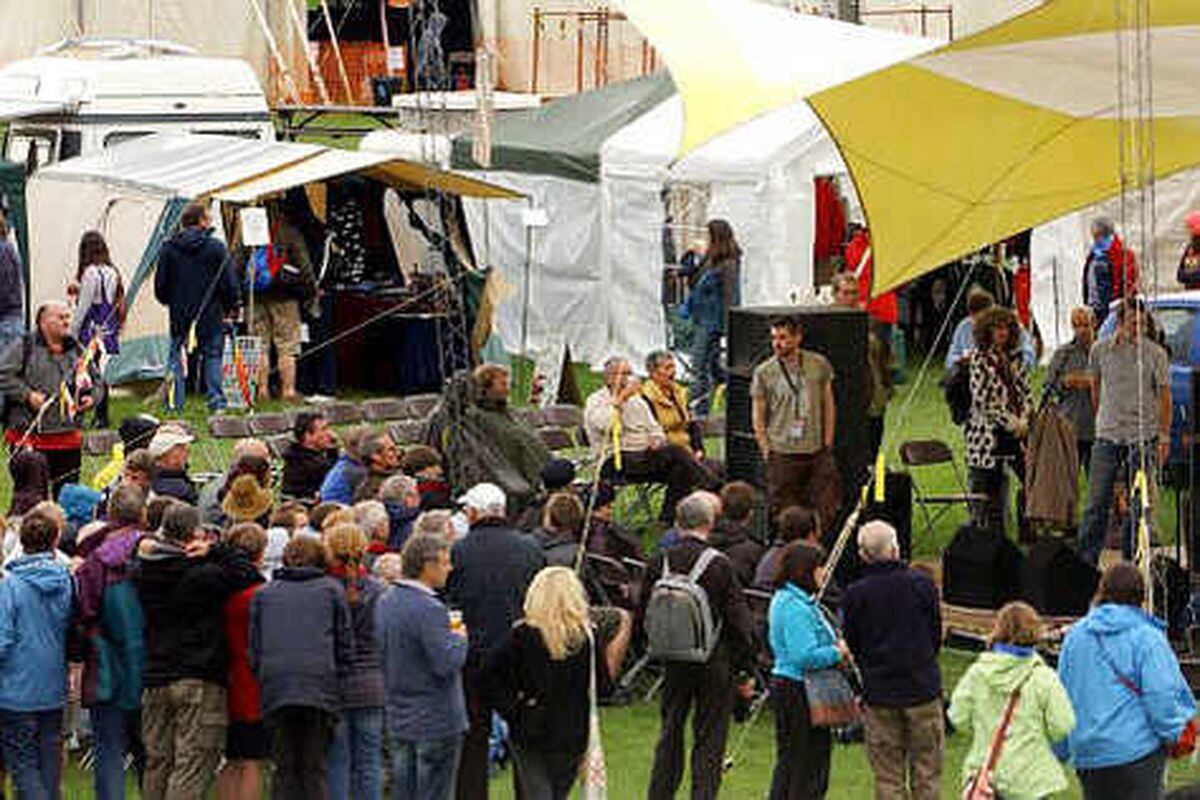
[799,404]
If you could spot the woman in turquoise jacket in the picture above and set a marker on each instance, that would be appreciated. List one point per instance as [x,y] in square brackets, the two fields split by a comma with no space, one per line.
[801,640]
[1027,768]
[1129,694]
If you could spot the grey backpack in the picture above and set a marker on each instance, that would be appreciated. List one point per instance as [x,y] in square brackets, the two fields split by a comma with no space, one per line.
[679,621]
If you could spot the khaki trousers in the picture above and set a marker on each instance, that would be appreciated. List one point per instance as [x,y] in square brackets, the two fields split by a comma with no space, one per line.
[183,726]
[906,747]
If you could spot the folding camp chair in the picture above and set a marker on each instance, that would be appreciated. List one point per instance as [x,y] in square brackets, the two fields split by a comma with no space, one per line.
[921,454]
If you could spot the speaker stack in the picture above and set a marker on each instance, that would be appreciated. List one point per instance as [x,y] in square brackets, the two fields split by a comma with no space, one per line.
[839,334]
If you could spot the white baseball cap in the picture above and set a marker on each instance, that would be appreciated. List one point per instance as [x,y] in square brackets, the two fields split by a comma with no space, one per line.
[166,437]
[484,497]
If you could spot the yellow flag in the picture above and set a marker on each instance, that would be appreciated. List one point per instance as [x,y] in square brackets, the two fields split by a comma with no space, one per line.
[880,475]
[65,406]
[171,392]
[616,438]
[112,470]
[192,342]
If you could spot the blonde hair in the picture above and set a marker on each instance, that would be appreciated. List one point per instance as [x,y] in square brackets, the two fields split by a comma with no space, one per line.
[342,516]
[556,605]
[1016,623]
[347,546]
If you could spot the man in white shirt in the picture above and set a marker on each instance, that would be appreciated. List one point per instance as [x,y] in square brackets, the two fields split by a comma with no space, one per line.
[646,456]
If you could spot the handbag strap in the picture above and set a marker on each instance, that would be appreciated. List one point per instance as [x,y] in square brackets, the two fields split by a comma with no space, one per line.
[997,745]
[1122,678]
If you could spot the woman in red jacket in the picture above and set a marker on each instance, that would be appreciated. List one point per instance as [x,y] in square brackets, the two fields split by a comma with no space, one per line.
[246,743]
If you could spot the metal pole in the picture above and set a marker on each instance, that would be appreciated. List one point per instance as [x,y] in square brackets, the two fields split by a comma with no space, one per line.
[537,46]
[273,46]
[313,66]
[337,51]
[525,289]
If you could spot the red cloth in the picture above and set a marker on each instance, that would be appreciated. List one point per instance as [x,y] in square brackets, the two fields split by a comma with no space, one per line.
[1124,269]
[885,307]
[65,440]
[830,220]
[1022,291]
[244,702]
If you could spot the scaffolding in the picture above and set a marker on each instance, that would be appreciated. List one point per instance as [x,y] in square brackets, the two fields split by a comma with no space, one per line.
[579,28]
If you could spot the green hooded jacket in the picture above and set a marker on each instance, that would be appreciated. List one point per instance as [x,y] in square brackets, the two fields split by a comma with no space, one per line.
[1027,767]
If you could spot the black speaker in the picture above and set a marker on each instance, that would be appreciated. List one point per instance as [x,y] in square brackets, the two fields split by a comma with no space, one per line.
[896,510]
[980,569]
[1171,591]
[839,334]
[1056,581]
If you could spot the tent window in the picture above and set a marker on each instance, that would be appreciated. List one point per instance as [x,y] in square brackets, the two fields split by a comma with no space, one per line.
[71,145]
[1177,325]
[30,146]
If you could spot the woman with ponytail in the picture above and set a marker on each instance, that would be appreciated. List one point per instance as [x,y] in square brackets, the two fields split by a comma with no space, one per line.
[355,758]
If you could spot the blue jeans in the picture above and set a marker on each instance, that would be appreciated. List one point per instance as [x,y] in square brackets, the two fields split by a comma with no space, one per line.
[356,755]
[1111,462]
[211,343]
[425,770]
[108,737]
[29,741]
[706,369]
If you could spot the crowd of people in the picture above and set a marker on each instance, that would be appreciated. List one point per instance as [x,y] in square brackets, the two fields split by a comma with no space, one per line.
[354,626]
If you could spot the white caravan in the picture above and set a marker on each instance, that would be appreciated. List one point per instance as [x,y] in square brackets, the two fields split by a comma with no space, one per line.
[82,95]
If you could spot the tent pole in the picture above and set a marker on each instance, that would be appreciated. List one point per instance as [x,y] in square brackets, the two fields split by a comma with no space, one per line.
[525,291]
[313,66]
[273,46]
[337,51]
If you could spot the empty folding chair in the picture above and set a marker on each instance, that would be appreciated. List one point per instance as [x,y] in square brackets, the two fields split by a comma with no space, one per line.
[384,409]
[562,415]
[421,406]
[924,454]
[228,427]
[269,424]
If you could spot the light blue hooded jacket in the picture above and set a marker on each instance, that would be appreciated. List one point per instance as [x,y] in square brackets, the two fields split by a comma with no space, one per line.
[35,607]
[1114,726]
[801,640]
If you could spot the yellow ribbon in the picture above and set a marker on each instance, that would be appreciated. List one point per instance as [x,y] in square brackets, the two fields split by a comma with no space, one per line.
[65,406]
[880,474]
[192,342]
[1141,487]
[616,438]
[112,470]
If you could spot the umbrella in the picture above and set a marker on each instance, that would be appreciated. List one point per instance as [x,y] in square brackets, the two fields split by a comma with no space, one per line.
[964,145]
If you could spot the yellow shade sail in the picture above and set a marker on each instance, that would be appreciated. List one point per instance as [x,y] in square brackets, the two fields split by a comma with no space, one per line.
[965,145]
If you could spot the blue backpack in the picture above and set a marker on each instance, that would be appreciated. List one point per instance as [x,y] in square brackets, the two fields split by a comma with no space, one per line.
[263,267]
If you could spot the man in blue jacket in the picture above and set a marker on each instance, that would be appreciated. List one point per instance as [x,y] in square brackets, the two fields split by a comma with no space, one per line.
[1129,694]
[423,657]
[35,606]
[195,280]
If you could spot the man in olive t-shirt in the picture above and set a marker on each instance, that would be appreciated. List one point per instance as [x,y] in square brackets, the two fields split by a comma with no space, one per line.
[794,420]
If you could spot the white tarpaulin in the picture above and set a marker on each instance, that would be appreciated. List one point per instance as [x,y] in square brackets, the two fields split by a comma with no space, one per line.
[1059,248]
[568,299]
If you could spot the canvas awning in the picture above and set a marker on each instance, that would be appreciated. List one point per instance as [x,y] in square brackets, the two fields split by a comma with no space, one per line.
[968,144]
[181,165]
[332,162]
[563,138]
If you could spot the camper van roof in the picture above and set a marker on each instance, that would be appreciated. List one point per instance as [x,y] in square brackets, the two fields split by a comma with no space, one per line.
[126,77]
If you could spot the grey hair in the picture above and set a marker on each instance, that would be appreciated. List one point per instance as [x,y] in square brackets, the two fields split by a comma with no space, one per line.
[877,540]
[435,522]
[371,516]
[695,512]
[656,359]
[1104,225]
[397,489]
[371,444]
[610,366]
[180,522]
[251,446]
[419,550]
[127,504]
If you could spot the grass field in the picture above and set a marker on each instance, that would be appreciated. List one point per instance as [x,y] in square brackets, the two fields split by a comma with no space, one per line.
[630,732]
